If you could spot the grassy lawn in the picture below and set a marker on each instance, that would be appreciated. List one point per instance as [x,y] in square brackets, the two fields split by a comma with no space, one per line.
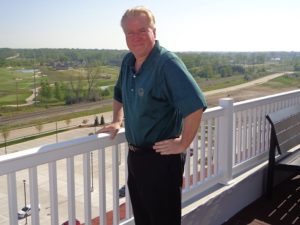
[218,83]
[16,86]
[285,81]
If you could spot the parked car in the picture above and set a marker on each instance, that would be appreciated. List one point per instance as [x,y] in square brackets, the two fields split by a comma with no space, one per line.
[122,191]
[77,222]
[25,211]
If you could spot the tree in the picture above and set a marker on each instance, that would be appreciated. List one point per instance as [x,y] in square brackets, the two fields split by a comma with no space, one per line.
[105,92]
[297,67]
[76,93]
[225,71]
[68,121]
[39,127]
[5,134]
[17,91]
[57,91]
[92,74]
[79,90]
[69,95]
[102,122]
[96,122]
[45,89]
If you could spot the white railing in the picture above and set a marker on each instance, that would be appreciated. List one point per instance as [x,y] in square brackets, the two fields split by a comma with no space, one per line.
[233,138]
[251,133]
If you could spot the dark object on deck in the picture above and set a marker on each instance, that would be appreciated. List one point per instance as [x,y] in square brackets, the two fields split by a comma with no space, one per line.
[122,191]
[285,135]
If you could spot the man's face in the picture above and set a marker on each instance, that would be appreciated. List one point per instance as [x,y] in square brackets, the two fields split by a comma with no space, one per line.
[140,38]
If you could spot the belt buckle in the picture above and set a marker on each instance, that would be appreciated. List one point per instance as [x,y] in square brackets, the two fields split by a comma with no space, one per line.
[132,148]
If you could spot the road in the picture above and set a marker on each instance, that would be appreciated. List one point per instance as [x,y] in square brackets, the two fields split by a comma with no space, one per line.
[246,85]
[31,131]
[20,118]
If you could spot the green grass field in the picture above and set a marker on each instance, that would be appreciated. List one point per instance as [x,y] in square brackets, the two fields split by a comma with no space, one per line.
[285,81]
[16,86]
[218,83]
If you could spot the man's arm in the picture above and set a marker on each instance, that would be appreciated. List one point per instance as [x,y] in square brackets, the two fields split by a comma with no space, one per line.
[117,112]
[190,127]
[118,116]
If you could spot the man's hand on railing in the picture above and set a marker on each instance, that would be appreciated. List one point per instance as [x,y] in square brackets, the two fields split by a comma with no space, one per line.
[111,129]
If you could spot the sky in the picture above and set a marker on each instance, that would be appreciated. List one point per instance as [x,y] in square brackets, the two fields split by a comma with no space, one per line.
[181,25]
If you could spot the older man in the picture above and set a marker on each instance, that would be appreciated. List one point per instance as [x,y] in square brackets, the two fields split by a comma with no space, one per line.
[163,107]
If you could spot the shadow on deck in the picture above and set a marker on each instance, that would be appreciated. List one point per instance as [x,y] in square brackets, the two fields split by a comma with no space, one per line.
[282,209]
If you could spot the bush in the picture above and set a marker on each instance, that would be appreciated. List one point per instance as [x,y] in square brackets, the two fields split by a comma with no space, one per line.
[102,122]
[96,122]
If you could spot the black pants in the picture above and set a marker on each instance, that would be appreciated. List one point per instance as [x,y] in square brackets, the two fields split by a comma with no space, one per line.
[155,183]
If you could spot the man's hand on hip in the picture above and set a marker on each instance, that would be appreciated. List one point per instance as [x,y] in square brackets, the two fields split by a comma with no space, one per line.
[170,146]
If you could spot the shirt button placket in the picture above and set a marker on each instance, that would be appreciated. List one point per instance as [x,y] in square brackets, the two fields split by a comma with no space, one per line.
[133,83]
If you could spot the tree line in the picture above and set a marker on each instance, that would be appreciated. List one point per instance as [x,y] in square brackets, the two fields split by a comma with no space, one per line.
[109,57]
[201,64]
[70,93]
[43,57]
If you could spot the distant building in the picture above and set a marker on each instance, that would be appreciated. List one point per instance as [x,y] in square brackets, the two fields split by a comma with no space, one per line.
[277,59]
[58,65]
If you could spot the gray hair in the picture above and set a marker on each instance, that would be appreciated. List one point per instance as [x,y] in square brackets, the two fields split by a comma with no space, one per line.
[136,11]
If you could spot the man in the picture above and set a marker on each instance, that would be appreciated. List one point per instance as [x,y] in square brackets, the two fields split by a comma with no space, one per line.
[163,106]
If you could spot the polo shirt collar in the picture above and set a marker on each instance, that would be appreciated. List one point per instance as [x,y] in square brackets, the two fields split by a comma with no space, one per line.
[149,60]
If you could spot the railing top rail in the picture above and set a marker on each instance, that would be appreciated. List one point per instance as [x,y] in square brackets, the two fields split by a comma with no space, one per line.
[213,112]
[52,152]
[251,103]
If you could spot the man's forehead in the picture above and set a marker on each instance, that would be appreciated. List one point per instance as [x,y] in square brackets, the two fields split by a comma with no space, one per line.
[139,21]
[137,17]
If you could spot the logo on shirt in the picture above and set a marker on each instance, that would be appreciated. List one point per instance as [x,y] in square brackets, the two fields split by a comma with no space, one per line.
[141,92]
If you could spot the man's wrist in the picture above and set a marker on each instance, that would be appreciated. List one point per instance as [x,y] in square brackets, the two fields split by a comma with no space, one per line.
[183,144]
[118,123]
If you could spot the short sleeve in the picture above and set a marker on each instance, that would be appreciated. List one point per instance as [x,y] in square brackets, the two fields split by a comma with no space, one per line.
[181,88]
[118,90]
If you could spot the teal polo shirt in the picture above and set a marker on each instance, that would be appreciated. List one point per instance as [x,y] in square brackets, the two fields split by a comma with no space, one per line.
[157,97]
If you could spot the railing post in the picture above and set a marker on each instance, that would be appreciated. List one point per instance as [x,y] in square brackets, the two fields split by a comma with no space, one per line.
[12,198]
[226,140]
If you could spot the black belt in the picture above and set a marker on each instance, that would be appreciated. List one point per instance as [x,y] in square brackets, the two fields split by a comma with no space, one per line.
[140,149]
